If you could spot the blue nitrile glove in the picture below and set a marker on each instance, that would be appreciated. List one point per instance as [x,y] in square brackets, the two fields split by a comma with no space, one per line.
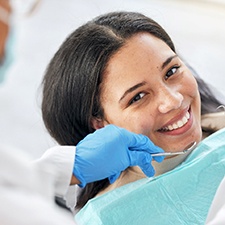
[109,151]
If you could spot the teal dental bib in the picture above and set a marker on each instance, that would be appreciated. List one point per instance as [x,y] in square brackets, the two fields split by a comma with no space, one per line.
[180,196]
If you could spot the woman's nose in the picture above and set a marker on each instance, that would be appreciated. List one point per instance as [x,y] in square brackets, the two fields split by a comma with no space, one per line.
[169,99]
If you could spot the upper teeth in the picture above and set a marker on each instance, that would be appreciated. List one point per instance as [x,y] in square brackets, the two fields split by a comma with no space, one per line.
[178,124]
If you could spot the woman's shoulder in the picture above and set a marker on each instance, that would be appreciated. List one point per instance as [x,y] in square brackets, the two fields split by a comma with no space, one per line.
[212,122]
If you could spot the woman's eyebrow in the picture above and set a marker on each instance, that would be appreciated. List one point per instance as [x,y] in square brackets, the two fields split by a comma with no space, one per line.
[131,89]
[168,60]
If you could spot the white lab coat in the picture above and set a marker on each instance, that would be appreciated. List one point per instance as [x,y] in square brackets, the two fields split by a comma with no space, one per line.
[27,189]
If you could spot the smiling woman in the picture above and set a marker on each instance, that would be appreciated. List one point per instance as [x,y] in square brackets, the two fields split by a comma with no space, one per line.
[122,69]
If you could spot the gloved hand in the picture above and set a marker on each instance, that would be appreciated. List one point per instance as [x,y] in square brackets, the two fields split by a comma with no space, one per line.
[110,150]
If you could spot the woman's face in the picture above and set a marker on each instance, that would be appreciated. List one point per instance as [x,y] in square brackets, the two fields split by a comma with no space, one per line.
[147,89]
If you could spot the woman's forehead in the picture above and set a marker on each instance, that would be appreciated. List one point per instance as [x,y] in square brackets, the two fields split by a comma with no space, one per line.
[139,51]
[141,60]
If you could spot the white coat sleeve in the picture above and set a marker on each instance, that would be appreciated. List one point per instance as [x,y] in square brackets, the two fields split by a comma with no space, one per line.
[27,189]
[61,160]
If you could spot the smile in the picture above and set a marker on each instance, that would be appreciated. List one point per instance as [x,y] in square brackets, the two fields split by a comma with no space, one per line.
[180,123]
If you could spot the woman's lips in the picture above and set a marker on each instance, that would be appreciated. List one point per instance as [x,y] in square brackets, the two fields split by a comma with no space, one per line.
[180,126]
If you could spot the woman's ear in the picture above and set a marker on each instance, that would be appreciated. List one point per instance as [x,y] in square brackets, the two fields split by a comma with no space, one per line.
[97,123]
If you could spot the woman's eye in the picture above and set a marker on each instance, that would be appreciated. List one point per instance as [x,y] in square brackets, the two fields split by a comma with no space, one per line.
[137,98]
[171,72]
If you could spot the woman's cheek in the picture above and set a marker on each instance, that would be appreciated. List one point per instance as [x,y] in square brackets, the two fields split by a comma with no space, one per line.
[135,123]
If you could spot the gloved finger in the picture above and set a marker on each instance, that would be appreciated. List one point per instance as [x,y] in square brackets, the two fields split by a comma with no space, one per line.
[158,158]
[155,148]
[143,160]
[140,142]
[139,158]
[150,147]
[135,141]
[148,170]
[113,178]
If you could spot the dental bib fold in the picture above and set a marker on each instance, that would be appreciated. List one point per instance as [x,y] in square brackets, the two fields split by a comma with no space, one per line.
[180,196]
